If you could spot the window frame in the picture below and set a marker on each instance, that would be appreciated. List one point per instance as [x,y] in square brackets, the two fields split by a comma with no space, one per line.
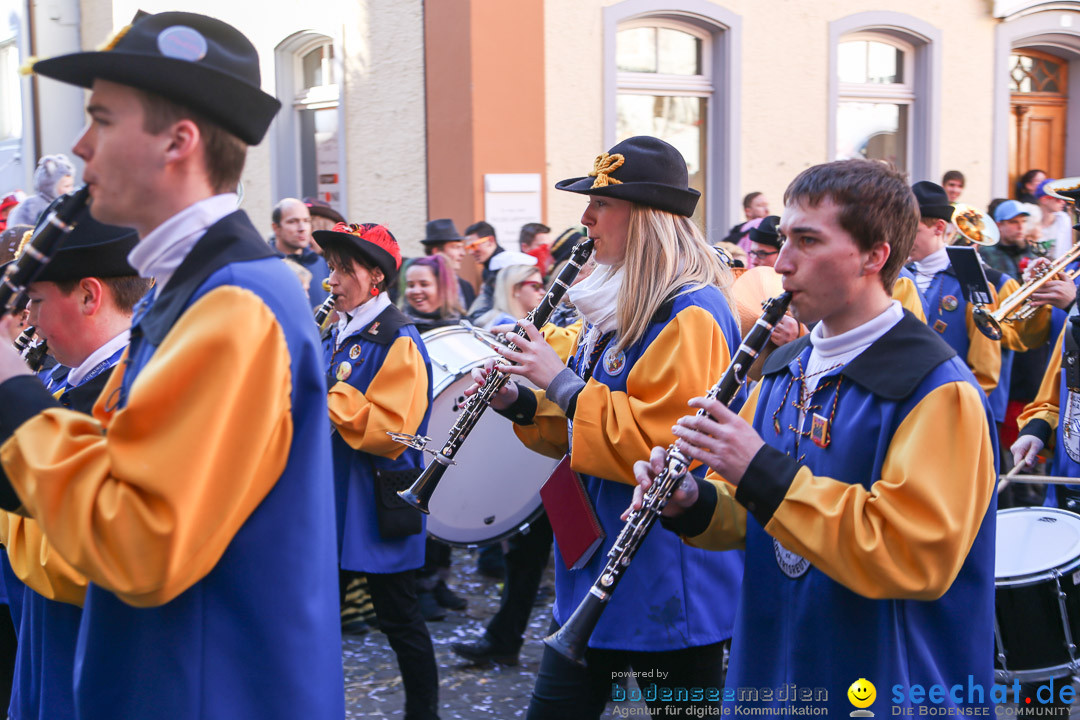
[721,64]
[902,93]
[923,68]
[286,155]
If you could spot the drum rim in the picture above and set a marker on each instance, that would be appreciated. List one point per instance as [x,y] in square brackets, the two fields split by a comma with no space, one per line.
[1036,578]
[524,527]
[449,379]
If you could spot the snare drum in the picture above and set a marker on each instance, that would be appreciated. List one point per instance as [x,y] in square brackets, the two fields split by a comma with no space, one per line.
[1037,594]
[493,490]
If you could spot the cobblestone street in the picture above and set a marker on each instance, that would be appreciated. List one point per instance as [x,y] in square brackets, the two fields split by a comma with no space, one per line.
[372,684]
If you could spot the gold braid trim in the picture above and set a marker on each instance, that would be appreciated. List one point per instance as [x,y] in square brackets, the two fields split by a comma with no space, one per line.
[603,166]
[22,243]
[110,43]
[27,68]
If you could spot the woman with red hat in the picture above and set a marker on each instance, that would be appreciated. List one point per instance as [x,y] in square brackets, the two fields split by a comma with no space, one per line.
[379,376]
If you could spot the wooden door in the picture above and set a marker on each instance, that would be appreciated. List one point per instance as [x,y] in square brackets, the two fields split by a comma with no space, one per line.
[1038,114]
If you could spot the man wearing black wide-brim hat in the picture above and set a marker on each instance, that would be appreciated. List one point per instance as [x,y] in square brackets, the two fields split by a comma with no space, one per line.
[199,501]
[81,305]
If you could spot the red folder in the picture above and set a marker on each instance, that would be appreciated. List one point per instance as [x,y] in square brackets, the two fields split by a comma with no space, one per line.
[572,516]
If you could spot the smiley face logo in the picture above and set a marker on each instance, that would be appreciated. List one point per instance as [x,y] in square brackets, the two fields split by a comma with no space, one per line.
[862,693]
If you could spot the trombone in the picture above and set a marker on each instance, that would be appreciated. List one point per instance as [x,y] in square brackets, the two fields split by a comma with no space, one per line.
[1017,307]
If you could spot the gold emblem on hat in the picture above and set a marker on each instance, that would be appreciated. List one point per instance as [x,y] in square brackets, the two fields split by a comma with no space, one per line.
[603,166]
[949,303]
[354,352]
[344,370]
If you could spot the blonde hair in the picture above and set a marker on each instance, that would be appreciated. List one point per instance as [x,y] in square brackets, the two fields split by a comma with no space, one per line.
[666,255]
[503,300]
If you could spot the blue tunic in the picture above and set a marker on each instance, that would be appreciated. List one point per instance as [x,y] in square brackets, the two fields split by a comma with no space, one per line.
[259,635]
[45,661]
[360,546]
[816,632]
[672,596]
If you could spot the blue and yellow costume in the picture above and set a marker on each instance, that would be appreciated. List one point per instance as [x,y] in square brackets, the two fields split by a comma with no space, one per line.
[673,596]
[53,593]
[387,389]
[197,499]
[869,539]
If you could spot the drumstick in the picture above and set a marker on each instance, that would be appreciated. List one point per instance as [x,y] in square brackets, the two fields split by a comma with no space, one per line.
[1047,479]
[1008,478]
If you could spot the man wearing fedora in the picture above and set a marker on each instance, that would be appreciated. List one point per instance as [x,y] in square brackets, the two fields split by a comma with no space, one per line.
[198,500]
[81,304]
[442,237]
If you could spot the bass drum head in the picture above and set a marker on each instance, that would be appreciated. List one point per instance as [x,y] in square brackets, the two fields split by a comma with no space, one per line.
[493,490]
[1032,541]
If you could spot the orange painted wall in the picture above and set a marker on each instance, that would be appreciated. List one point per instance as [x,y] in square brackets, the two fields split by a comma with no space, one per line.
[485,100]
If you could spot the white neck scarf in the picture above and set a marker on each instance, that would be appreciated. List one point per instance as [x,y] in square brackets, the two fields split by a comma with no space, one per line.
[595,298]
[359,317]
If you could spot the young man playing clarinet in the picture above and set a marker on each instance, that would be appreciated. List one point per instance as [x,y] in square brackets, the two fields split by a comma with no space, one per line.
[859,476]
[198,499]
[81,304]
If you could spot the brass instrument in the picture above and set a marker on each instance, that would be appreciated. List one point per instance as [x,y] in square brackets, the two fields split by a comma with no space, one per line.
[1017,307]
[975,225]
[572,638]
[419,493]
[1067,189]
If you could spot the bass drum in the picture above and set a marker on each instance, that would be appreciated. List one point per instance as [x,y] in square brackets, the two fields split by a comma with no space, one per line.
[493,490]
[1037,594]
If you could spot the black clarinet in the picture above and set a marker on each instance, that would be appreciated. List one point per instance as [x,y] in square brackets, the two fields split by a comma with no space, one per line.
[572,638]
[50,236]
[324,310]
[419,494]
[32,352]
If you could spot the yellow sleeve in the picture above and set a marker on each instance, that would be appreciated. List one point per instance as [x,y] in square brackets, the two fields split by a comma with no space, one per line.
[613,428]
[909,534]
[147,508]
[908,294]
[36,564]
[547,434]
[727,528]
[984,354]
[1023,335]
[1047,403]
[563,340]
[395,401]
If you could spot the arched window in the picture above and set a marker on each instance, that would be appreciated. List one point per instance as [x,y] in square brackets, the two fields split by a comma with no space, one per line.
[672,69]
[664,88]
[308,159]
[885,90]
[10,90]
[875,99]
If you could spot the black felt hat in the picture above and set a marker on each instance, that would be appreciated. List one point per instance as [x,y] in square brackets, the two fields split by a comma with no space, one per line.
[197,61]
[566,242]
[766,233]
[321,208]
[371,241]
[642,169]
[441,231]
[92,249]
[933,201]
